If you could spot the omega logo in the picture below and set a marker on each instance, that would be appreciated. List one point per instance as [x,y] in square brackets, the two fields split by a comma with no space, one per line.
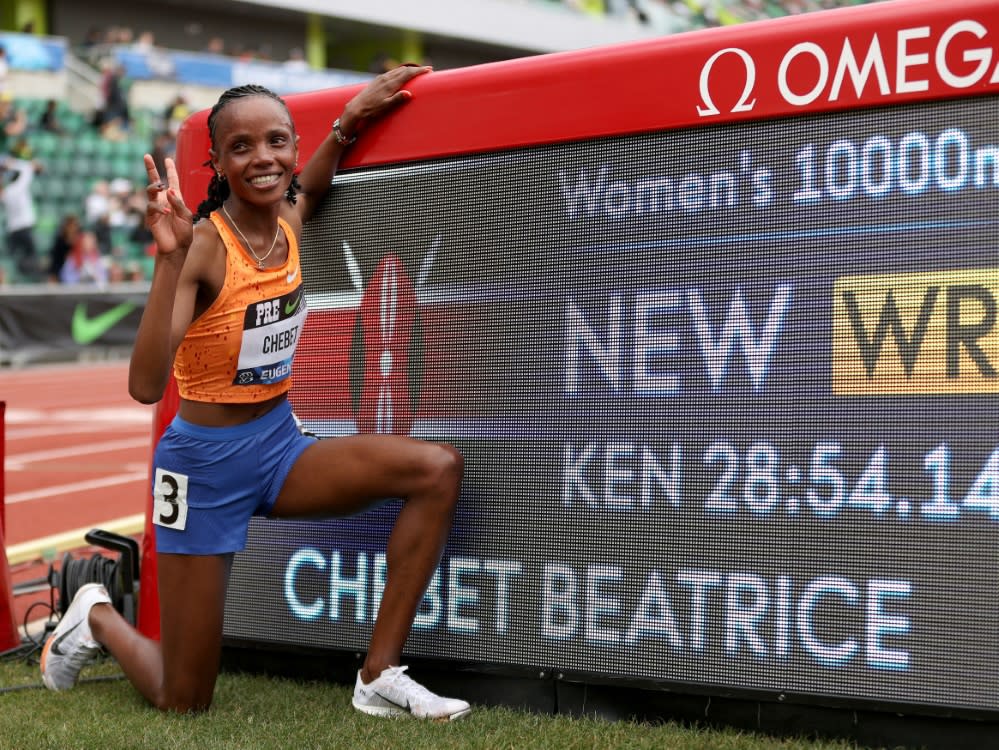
[744,104]
[891,62]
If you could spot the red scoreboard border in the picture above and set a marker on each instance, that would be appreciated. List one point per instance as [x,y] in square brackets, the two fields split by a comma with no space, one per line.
[890,52]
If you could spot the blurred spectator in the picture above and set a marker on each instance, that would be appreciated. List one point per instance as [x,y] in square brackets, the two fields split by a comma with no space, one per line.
[159,62]
[163,146]
[4,72]
[113,117]
[296,62]
[16,176]
[589,7]
[126,214]
[263,52]
[120,35]
[84,264]
[133,271]
[175,113]
[49,119]
[382,63]
[97,204]
[93,38]
[13,122]
[663,17]
[114,263]
[97,214]
[119,272]
[21,148]
[116,273]
[120,211]
[64,241]
[670,16]
[140,234]
[244,53]
[215,46]
[145,42]
[102,230]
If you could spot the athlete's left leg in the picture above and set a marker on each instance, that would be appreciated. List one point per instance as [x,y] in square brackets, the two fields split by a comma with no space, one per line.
[343,476]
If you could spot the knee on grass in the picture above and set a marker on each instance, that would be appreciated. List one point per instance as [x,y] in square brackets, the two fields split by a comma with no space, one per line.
[184,699]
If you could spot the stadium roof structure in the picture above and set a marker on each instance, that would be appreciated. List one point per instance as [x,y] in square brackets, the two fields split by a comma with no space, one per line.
[534,27]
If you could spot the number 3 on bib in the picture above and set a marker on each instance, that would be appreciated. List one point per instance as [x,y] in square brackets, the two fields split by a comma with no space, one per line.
[170,500]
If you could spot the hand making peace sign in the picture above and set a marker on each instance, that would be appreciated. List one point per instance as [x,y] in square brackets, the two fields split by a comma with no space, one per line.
[167,217]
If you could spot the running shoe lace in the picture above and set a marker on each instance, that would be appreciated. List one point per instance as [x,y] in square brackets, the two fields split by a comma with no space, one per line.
[407,684]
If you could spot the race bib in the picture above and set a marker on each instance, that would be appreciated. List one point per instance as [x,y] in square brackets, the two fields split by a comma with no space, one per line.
[270,335]
[170,499]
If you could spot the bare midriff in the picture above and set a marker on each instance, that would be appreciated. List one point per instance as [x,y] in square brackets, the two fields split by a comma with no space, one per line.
[225,415]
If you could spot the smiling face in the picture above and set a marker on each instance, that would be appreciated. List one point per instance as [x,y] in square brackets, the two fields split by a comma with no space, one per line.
[256,148]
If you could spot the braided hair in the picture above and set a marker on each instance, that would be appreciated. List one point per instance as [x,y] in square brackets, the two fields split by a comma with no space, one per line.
[218,188]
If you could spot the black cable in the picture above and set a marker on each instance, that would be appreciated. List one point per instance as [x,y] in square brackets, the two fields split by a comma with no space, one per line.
[41,685]
[38,644]
[74,574]
[116,575]
[96,569]
[20,650]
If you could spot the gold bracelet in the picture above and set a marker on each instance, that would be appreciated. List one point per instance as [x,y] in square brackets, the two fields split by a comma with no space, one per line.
[340,137]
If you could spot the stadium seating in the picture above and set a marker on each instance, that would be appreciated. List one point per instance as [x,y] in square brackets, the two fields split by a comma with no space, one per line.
[71,163]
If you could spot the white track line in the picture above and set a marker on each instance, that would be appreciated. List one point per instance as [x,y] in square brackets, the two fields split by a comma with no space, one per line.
[90,484]
[99,428]
[70,540]
[18,460]
[112,414]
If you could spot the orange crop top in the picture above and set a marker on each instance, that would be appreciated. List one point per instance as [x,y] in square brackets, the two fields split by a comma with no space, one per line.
[240,349]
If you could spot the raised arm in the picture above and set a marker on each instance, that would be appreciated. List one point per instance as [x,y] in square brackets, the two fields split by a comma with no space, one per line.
[382,95]
[173,291]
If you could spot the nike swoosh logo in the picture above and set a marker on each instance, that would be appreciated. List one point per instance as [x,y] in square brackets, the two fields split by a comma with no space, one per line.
[86,330]
[292,276]
[290,307]
[55,644]
[389,700]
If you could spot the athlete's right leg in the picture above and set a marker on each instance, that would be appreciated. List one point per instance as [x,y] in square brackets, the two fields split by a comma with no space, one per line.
[178,672]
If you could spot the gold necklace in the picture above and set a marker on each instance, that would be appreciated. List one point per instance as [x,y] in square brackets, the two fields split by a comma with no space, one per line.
[260,258]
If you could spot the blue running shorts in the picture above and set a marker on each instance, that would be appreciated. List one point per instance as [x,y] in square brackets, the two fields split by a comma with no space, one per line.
[209,481]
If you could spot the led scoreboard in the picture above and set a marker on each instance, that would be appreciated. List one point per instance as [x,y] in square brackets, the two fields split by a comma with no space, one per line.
[713,320]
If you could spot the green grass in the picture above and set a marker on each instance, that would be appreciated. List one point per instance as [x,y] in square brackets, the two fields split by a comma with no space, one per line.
[266,713]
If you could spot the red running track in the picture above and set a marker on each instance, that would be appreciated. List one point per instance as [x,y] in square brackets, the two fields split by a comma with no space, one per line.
[77,454]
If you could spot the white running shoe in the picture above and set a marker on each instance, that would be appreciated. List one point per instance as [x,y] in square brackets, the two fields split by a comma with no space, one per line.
[393,693]
[72,646]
